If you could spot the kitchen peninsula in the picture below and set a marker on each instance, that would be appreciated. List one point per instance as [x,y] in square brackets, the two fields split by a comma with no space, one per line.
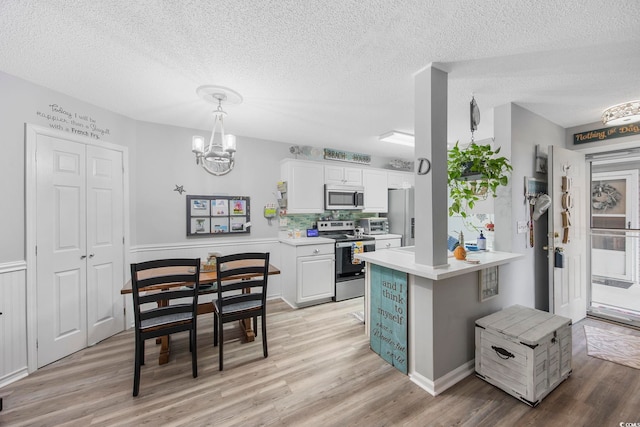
[442,305]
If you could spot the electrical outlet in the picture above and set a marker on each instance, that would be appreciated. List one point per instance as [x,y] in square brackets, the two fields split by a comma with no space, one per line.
[523,227]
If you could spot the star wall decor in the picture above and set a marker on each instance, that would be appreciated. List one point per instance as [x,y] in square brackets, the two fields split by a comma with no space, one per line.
[180,189]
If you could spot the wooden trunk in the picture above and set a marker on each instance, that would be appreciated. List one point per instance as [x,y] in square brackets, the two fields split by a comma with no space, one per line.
[524,351]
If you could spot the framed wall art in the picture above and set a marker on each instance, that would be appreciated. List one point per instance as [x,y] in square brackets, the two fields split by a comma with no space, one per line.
[488,283]
[218,215]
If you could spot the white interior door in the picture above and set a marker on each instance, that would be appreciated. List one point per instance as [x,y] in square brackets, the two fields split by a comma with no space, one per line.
[80,247]
[105,233]
[568,285]
[61,248]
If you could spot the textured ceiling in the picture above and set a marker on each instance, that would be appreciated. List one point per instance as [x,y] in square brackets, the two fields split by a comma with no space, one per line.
[333,73]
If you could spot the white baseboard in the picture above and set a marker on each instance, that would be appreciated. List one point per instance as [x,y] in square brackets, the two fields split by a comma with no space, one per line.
[438,386]
[13,377]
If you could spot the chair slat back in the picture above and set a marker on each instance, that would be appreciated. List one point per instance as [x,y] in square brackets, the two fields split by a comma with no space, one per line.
[165,271]
[239,271]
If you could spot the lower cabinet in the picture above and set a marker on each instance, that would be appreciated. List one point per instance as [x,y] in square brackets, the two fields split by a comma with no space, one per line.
[386,243]
[308,274]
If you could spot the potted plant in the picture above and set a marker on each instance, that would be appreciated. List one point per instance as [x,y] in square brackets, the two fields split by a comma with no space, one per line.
[474,173]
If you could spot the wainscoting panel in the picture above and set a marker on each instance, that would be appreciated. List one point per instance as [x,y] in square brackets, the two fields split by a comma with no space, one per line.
[13,322]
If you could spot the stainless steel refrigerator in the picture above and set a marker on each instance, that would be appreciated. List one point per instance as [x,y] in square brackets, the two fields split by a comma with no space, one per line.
[401,214]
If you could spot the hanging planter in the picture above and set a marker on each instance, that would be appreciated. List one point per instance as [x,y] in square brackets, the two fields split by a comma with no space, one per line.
[474,173]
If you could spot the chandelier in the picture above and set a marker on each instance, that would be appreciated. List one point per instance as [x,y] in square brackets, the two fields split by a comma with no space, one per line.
[627,112]
[218,156]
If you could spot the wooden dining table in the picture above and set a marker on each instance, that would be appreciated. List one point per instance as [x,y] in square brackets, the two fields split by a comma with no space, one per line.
[208,279]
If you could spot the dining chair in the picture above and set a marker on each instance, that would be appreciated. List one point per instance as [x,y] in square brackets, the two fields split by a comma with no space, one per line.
[242,294]
[164,318]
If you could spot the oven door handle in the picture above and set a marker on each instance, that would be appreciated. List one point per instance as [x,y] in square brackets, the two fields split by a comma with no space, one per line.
[348,244]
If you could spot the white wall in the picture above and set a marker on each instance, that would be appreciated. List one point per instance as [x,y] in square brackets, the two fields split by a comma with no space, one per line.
[518,131]
[164,160]
[20,103]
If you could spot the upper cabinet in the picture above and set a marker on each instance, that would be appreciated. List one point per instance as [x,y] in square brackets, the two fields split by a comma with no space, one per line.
[342,175]
[375,190]
[305,186]
[306,179]
[400,179]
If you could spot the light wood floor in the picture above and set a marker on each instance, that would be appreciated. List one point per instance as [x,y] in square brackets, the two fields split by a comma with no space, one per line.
[320,372]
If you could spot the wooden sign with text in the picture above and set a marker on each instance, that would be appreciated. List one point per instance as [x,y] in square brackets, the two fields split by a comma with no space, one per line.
[606,133]
[346,156]
[388,319]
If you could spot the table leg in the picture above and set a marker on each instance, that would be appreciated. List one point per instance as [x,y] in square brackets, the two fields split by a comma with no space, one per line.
[247,329]
[247,324]
[164,341]
[165,348]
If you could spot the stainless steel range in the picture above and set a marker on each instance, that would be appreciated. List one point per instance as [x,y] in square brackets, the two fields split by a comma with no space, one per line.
[349,271]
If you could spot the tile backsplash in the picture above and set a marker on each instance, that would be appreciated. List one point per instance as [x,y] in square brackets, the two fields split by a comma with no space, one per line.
[304,221]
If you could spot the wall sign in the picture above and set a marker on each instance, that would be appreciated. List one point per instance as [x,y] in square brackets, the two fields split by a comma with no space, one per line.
[346,156]
[217,215]
[424,166]
[388,320]
[606,133]
[77,123]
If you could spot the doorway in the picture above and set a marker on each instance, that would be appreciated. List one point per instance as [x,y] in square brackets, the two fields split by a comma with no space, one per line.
[615,239]
[75,242]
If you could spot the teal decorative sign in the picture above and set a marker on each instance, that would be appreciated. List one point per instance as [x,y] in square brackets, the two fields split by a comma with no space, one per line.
[388,317]
[606,133]
[345,156]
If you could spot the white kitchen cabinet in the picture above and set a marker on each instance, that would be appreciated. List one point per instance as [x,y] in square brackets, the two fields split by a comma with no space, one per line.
[400,179]
[375,190]
[342,175]
[384,242]
[308,273]
[305,186]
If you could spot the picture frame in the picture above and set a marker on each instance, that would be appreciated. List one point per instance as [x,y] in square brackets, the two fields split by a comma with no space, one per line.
[211,216]
[199,207]
[534,186]
[488,283]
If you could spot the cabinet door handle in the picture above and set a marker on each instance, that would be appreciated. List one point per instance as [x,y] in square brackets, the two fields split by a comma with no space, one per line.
[316,251]
[83,256]
[92,255]
[388,245]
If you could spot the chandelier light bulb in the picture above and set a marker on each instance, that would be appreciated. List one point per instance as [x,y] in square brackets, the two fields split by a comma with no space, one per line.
[197,144]
[230,143]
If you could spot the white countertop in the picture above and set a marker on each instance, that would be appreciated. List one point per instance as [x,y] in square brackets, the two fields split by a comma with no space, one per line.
[386,236]
[323,240]
[307,241]
[403,259]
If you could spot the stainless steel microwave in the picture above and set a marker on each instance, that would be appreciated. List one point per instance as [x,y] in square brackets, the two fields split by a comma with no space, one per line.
[343,197]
